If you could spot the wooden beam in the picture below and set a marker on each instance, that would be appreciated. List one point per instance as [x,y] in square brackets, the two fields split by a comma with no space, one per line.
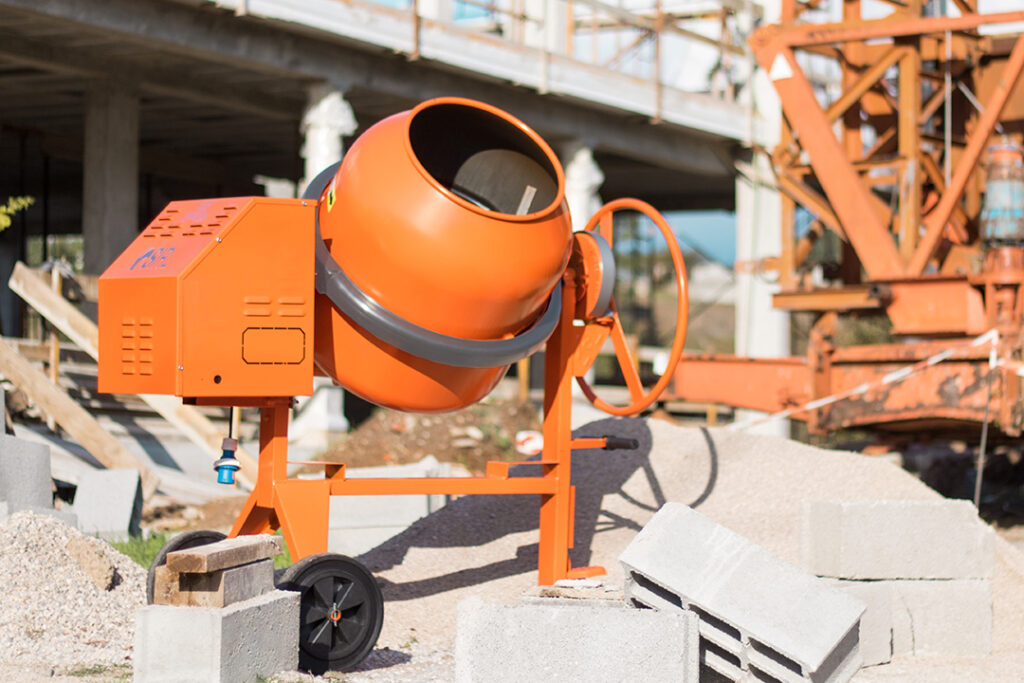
[31,287]
[72,417]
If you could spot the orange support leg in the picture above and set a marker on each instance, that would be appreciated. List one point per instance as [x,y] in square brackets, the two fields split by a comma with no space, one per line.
[557,509]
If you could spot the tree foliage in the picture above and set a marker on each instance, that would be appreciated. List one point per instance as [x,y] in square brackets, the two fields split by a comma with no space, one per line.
[13,206]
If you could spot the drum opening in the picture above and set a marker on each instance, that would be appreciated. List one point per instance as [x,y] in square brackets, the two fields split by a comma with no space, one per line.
[484,159]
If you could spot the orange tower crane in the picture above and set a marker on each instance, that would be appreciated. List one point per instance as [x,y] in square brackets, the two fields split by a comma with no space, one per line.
[929,225]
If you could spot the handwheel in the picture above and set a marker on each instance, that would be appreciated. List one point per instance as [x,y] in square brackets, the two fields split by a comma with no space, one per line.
[183,541]
[639,399]
[340,614]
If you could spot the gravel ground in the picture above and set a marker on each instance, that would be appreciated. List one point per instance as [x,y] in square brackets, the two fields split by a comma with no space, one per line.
[53,614]
[487,545]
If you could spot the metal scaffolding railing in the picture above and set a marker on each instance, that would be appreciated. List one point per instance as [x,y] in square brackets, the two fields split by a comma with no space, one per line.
[692,46]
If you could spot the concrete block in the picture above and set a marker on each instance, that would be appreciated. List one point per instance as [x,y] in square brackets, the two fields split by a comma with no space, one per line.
[759,616]
[530,642]
[949,618]
[236,644]
[109,503]
[25,474]
[896,539]
[876,623]
[359,523]
[221,588]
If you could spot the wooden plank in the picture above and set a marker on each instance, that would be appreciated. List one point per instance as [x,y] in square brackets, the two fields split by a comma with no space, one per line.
[32,287]
[221,588]
[72,417]
[231,552]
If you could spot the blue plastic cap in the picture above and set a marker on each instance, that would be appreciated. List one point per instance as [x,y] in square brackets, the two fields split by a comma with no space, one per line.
[226,467]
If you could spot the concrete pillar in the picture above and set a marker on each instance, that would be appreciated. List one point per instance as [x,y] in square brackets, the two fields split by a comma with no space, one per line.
[548,30]
[583,178]
[110,202]
[327,119]
[761,331]
[438,10]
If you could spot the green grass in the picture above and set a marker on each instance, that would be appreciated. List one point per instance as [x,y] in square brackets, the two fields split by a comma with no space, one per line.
[141,550]
[110,672]
[284,559]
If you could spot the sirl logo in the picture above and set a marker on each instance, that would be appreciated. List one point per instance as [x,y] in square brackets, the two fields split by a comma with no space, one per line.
[330,196]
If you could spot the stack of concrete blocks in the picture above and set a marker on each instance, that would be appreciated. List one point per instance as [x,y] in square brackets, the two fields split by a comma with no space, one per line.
[25,482]
[922,567]
[359,523]
[552,639]
[760,617]
[217,616]
[108,503]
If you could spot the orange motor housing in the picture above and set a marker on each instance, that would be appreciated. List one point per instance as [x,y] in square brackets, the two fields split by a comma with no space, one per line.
[449,224]
[213,299]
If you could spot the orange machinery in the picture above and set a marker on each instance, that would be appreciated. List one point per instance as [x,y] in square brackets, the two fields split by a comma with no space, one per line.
[413,274]
[893,171]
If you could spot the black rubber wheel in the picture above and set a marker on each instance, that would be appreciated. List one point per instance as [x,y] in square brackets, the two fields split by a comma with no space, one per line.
[183,541]
[341,612]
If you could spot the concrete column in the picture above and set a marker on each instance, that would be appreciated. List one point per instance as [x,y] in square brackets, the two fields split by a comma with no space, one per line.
[761,331]
[438,10]
[110,202]
[548,30]
[327,119]
[583,178]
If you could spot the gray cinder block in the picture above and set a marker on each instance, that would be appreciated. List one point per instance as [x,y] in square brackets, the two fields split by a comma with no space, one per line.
[876,623]
[108,503]
[25,474]
[236,644]
[359,523]
[896,539]
[533,642]
[951,618]
[759,616]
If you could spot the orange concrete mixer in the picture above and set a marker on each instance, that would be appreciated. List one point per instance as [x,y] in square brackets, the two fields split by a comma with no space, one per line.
[413,273]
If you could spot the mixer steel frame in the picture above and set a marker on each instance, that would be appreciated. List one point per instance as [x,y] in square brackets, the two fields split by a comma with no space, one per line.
[300,506]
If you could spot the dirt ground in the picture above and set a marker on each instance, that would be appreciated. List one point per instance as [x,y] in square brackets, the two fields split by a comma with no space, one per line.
[469,437]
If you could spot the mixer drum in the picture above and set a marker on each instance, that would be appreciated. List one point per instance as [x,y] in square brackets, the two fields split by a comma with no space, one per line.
[447,234]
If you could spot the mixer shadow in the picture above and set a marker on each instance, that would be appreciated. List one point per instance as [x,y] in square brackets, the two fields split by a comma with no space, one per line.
[476,521]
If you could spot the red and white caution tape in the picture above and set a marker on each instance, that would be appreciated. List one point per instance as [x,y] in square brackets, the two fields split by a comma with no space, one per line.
[896,376]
